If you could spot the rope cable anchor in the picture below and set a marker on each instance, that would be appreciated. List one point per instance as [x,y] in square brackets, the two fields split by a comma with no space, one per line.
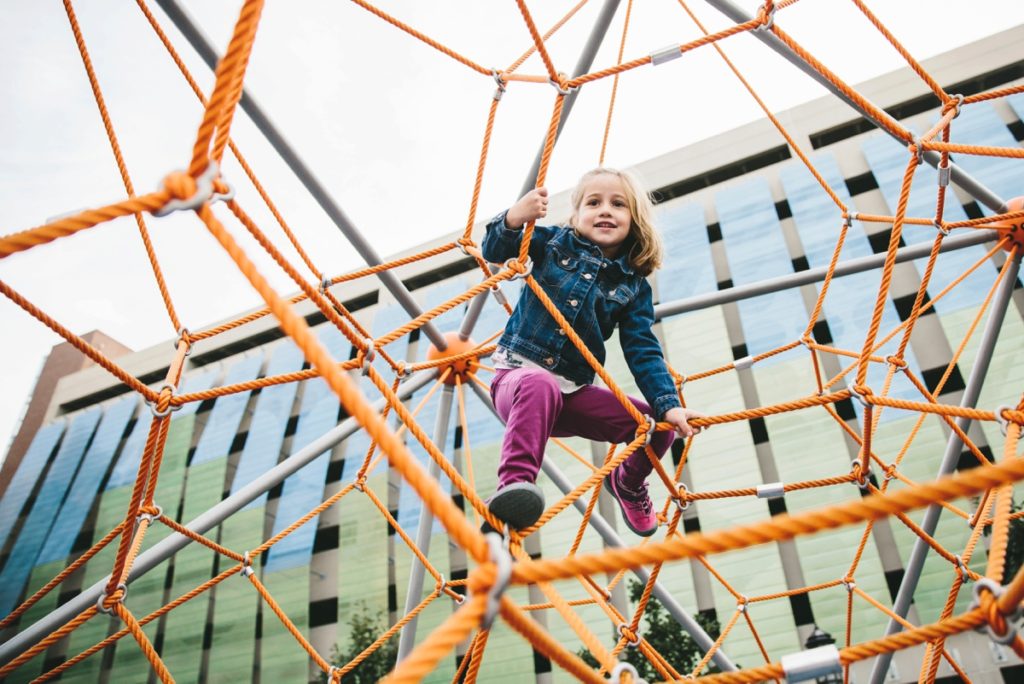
[183,335]
[101,600]
[996,589]
[150,517]
[682,503]
[623,629]
[527,268]
[205,193]
[170,407]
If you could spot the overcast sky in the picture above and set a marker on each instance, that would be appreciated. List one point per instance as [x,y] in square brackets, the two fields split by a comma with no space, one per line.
[389,125]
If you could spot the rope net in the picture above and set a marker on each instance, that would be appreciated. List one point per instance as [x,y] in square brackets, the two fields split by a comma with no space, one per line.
[481,598]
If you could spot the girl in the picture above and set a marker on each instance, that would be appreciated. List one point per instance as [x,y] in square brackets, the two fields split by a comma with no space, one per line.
[594,270]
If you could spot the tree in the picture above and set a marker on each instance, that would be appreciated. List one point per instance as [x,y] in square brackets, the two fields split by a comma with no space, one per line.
[665,635]
[365,628]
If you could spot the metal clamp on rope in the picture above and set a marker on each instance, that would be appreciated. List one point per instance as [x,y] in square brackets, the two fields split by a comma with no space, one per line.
[403,369]
[562,90]
[331,672]
[812,663]
[204,193]
[862,480]
[170,407]
[742,604]
[183,334]
[665,54]
[744,363]
[226,196]
[501,84]
[527,268]
[149,517]
[623,667]
[961,567]
[622,628]
[918,145]
[939,227]
[651,427]
[503,559]
[247,570]
[997,590]
[850,585]
[499,295]
[442,584]
[771,490]
[369,354]
[944,174]
[682,503]
[325,283]
[1004,422]
[769,18]
[859,396]
[959,98]
[102,599]
[849,218]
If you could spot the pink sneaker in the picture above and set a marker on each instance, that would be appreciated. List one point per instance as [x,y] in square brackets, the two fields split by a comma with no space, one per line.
[636,506]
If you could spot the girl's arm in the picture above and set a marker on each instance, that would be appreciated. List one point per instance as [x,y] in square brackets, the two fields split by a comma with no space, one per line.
[646,360]
[530,207]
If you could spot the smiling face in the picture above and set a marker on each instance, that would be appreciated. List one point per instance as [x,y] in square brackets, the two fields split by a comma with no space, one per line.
[603,215]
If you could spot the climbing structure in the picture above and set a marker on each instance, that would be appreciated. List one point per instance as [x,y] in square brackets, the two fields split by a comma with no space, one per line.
[458,364]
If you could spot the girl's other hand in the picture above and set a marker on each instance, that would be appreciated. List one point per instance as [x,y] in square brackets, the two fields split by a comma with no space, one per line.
[679,418]
[532,206]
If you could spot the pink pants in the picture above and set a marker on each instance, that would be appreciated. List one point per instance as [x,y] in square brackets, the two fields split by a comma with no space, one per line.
[534,408]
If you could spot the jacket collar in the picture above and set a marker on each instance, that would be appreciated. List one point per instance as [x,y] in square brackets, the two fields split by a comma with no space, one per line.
[581,243]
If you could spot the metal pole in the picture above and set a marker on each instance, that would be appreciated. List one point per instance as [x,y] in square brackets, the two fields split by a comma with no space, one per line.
[611,538]
[950,458]
[407,638]
[305,175]
[814,275]
[963,179]
[586,59]
[214,516]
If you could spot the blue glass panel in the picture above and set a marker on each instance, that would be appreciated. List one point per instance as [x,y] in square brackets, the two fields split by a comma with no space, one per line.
[87,482]
[850,302]
[756,250]
[127,468]
[688,269]
[980,125]
[269,420]
[439,294]
[222,424]
[888,161]
[26,547]
[386,319]
[304,488]
[24,479]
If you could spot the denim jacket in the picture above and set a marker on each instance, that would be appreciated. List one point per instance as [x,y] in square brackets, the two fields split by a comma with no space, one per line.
[595,294]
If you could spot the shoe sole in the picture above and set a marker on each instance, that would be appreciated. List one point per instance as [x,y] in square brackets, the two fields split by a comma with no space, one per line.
[622,509]
[518,507]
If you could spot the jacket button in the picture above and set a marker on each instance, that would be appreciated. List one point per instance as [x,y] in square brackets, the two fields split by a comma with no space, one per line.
[561,332]
[611,293]
[549,361]
[565,262]
[573,302]
[587,276]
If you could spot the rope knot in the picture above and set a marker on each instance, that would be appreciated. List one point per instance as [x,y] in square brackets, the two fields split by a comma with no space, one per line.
[180,185]
[896,362]
[632,638]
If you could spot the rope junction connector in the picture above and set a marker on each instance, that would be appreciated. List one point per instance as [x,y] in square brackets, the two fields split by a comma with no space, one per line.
[205,192]
[742,604]
[325,283]
[149,517]
[501,84]
[665,54]
[101,600]
[527,268]
[652,426]
[1004,422]
[623,667]
[561,89]
[767,16]
[862,478]
[246,570]
[369,354]
[624,631]
[812,664]
[849,217]
[860,395]
[166,412]
[956,102]
[744,363]
[771,490]
[503,559]
[403,369]
[961,568]
[850,585]
[682,503]
[918,146]
[996,589]
[183,335]
[940,227]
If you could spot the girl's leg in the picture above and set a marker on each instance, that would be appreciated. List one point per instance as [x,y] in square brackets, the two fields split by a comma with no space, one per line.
[595,413]
[529,401]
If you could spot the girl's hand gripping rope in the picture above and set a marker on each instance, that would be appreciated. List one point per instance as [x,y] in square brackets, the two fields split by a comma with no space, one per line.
[530,207]
[679,418]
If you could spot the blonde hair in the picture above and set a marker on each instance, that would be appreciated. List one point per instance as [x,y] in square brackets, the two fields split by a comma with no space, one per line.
[643,243]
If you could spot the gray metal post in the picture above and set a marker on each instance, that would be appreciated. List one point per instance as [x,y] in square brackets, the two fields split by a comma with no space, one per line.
[814,275]
[963,179]
[407,638]
[214,516]
[611,538]
[305,175]
[950,458]
[583,65]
